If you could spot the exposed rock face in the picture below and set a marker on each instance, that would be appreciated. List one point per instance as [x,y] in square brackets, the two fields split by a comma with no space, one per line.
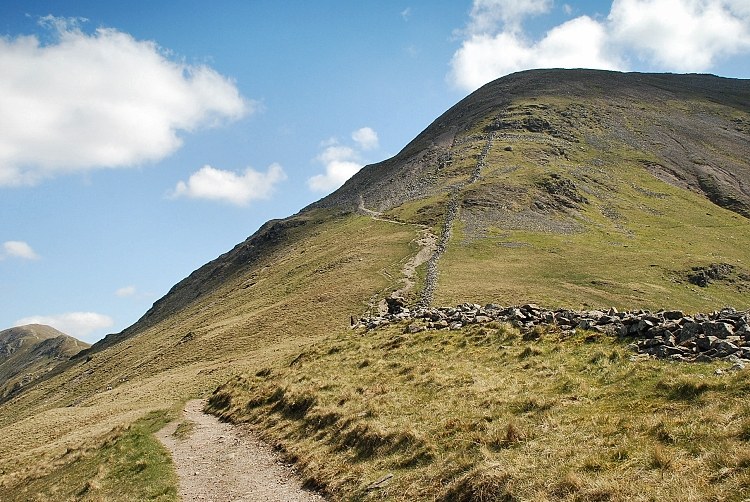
[703,276]
[665,334]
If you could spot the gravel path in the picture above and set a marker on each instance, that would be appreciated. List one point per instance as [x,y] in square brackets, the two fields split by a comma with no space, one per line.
[221,462]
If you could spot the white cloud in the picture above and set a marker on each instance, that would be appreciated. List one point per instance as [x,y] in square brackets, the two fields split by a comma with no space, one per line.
[578,43]
[100,100]
[487,15]
[681,35]
[126,291]
[77,324]
[366,138]
[666,35]
[18,249]
[239,189]
[406,13]
[342,162]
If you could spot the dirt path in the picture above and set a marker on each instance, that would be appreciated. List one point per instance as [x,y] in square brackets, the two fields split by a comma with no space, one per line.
[220,462]
[427,243]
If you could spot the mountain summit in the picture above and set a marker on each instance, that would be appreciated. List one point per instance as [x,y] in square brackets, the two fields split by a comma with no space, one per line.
[693,124]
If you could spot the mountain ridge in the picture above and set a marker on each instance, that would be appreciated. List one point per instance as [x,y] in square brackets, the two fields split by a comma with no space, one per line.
[414,172]
[501,92]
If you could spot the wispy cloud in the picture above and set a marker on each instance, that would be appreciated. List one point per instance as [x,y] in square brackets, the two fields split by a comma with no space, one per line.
[228,186]
[342,162]
[366,138]
[120,101]
[18,249]
[126,291]
[77,324]
[663,35]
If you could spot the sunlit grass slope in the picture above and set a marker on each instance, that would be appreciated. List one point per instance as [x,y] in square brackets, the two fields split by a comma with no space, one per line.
[482,414]
[563,188]
[328,269]
[574,214]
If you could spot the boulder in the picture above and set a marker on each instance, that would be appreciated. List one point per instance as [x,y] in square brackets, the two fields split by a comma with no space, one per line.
[717,329]
[724,348]
[690,330]
[704,342]
[395,304]
[673,315]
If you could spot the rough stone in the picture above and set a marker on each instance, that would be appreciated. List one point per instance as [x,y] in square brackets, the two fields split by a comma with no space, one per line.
[666,334]
[718,329]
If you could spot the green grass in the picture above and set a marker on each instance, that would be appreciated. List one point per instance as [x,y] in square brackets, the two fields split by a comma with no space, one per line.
[184,429]
[630,246]
[482,414]
[128,465]
[329,269]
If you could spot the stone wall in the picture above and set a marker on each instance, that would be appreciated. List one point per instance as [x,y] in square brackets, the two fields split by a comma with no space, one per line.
[669,334]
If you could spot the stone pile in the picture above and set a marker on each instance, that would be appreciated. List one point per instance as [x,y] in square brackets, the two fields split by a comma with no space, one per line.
[671,334]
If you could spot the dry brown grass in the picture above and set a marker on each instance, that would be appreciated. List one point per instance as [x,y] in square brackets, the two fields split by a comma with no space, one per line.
[329,270]
[477,414]
[458,415]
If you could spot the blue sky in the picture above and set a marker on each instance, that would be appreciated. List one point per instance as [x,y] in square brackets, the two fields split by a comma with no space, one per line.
[141,139]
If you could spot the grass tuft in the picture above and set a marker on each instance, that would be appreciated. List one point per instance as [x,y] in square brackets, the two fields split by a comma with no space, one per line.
[184,429]
[662,458]
[483,484]
[744,433]
[683,388]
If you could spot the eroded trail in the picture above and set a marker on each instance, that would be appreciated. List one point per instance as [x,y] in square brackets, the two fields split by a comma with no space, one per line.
[427,243]
[222,462]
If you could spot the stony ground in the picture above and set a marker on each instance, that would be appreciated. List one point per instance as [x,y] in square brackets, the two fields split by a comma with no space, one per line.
[222,462]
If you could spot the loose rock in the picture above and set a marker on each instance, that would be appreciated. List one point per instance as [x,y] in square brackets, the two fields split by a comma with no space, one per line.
[668,334]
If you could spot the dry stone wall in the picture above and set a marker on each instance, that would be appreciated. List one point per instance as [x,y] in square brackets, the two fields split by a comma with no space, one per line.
[667,334]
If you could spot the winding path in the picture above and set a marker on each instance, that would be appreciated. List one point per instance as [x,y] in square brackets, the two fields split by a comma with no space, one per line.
[221,462]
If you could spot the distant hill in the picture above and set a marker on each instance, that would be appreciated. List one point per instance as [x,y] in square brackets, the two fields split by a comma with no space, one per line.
[29,352]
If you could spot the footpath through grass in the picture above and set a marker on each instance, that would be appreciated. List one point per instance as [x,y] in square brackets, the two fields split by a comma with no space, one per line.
[484,414]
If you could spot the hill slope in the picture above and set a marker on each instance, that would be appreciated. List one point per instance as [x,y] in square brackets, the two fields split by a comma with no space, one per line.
[564,188]
[28,352]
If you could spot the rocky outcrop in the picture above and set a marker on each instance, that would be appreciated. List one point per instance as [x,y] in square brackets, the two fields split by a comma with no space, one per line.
[666,334]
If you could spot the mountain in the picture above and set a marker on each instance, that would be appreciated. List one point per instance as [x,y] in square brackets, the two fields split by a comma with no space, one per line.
[564,188]
[29,352]
[553,153]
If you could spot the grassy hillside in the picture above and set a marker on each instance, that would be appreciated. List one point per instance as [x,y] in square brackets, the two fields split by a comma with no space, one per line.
[330,267]
[566,189]
[482,414]
[569,214]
